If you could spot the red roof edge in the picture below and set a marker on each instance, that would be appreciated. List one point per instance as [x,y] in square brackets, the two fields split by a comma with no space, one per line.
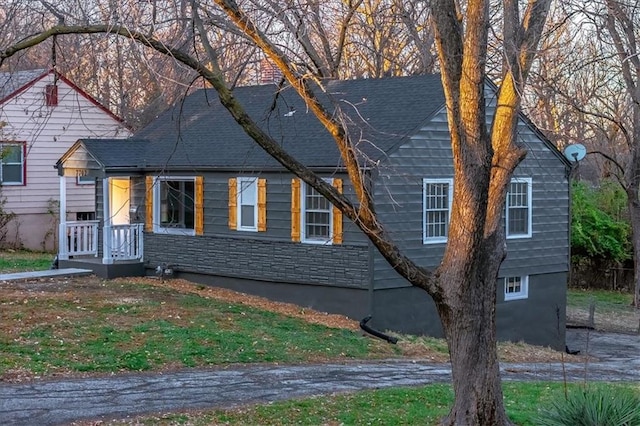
[74,87]
[25,87]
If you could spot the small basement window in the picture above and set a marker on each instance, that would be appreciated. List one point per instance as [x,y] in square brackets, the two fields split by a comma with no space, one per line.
[516,288]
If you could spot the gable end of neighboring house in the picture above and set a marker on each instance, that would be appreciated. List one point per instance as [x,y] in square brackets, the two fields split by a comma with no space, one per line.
[43,114]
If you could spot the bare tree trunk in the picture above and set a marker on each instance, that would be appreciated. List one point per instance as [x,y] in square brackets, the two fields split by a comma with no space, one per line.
[633,204]
[469,319]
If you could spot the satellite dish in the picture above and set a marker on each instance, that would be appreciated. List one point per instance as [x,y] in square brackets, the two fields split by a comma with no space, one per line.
[575,152]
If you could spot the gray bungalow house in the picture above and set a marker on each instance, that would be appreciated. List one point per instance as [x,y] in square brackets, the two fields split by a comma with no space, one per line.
[192,191]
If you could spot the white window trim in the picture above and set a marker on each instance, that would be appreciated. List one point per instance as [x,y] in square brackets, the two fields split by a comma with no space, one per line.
[157,199]
[254,181]
[524,289]
[22,164]
[425,182]
[303,216]
[529,232]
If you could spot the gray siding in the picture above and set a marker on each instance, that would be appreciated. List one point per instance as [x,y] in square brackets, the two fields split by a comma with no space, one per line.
[428,155]
[216,202]
[264,260]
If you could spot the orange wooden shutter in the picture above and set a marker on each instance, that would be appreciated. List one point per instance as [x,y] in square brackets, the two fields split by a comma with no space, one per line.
[337,216]
[233,203]
[262,205]
[199,205]
[148,218]
[295,209]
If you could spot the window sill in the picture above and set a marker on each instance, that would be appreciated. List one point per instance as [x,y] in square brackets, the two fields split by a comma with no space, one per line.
[317,242]
[174,231]
[434,241]
[518,236]
[515,297]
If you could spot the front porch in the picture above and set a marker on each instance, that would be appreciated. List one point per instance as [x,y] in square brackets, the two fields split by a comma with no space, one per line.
[113,244]
[121,254]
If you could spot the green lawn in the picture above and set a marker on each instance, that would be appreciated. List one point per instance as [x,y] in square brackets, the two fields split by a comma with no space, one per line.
[22,261]
[610,300]
[88,324]
[398,406]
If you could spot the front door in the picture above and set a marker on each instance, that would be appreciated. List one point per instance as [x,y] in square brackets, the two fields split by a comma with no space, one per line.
[119,200]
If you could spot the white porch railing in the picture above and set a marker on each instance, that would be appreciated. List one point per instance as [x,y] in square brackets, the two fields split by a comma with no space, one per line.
[123,242]
[79,239]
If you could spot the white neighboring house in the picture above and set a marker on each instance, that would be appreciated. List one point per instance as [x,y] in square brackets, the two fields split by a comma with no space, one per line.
[42,114]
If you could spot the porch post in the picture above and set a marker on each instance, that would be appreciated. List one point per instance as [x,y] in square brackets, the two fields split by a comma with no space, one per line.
[107,259]
[63,252]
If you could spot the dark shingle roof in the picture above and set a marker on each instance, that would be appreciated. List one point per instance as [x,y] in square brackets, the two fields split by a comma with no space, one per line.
[114,153]
[200,133]
[12,81]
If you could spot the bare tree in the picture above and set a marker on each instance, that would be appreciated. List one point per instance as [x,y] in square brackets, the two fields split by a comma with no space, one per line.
[464,284]
[592,96]
[620,18]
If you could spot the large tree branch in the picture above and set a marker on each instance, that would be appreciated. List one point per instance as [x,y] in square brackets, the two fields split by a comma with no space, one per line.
[519,59]
[339,133]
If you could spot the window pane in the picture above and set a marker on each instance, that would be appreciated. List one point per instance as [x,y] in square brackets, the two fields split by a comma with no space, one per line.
[514,285]
[247,216]
[11,173]
[11,154]
[248,192]
[177,204]
[518,221]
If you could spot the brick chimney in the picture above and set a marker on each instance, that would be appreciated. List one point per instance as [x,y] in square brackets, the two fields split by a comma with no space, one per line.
[269,73]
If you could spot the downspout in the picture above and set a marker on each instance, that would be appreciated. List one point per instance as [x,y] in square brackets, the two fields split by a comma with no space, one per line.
[371,284]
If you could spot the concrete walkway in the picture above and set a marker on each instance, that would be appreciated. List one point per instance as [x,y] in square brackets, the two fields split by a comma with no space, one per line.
[49,273]
[55,402]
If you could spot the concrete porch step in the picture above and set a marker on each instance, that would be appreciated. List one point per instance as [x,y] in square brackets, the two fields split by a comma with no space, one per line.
[65,272]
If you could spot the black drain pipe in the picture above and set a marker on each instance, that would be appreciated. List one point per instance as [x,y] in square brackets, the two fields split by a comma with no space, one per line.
[381,335]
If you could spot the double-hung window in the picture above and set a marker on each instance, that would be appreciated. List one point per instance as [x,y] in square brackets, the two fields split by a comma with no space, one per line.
[437,195]
[248,204]
[516,288]
[313,218]
[518,208]
[247,200]
[317,216]
[12,164]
